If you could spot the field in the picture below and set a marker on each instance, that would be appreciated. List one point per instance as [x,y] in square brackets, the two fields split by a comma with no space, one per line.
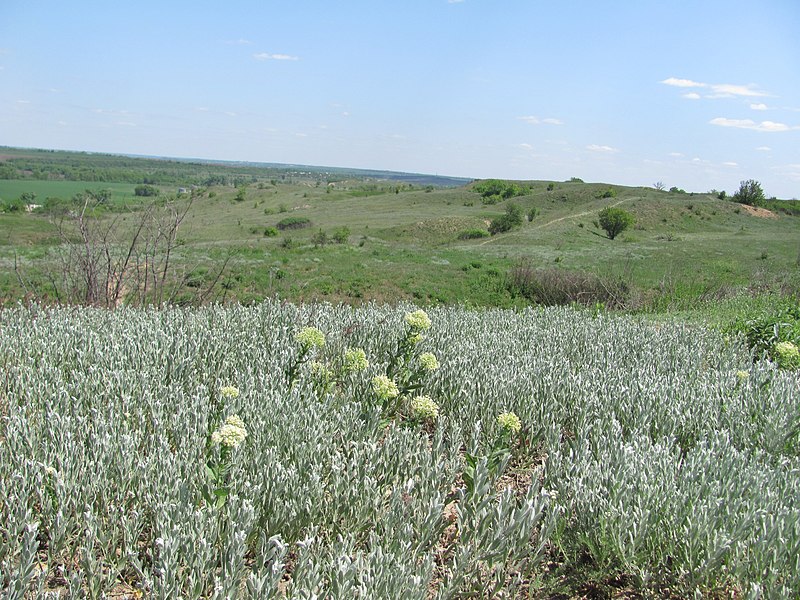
[651,458]
[381,240]
[266,412]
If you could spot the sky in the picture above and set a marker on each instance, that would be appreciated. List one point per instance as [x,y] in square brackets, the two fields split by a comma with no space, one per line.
[699,94]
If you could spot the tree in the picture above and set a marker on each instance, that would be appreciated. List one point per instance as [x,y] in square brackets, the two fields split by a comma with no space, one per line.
[750,192]
[615,221]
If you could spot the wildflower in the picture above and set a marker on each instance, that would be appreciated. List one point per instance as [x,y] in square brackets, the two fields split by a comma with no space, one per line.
[428,362]
[423,407]
[320,371]
[509,422]
[418,320]
[228,392]
[786,355]
[310,337]
[355,360]
[231,433]
[741,376]
[384,388]
[414,338]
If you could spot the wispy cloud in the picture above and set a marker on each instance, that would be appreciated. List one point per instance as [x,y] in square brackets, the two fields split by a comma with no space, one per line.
[767,126]
[692,96]
[268,56]
[718,90]
[531,120]
[598,148]
[676,154]
[764,149]
[239,42]
[730,163]
[526,146]
[759,106]
[455,1]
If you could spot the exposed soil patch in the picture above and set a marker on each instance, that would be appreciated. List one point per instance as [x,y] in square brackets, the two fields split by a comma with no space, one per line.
[757,211]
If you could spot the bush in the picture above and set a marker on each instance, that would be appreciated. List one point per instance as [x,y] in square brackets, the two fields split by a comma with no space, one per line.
[532,214]
[341,235]
[765,327]
[614,221]
[497,187]
[270,232]
[749,192]
[609,193]
[320,238]
[510,220]
[473,234]
[556,287]
[293,223]
[145,190]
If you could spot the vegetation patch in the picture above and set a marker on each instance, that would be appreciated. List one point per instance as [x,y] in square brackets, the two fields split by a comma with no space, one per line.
[293,223]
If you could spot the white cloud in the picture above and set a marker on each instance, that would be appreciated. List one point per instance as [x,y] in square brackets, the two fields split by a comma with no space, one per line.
[764,149]
[455,1]
[768,126]
[719,90]
[598,148]
[684,83]
[531,120]
[730,164]
[692,96]
[759,106]
[23,101]
[268,56]
[676,154]
[239,42]
[526,146]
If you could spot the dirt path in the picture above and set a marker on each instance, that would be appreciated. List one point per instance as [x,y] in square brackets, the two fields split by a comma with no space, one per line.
[564,218]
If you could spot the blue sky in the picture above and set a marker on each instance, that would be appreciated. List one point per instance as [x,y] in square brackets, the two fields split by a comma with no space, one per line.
[695,94]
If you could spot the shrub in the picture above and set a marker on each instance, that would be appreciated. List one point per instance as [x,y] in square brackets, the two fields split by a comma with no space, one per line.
[341,235]
[498,187]
[749,192]
[556,287]
[614,221]
[320,238]
[473,234]
[764,328]
[532,214]
[510,220]
[270,231]
[145,190]
[551,186]
[609,193]
[293,223]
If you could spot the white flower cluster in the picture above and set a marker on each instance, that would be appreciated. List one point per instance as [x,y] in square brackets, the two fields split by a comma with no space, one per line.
[229,392]
[510,422]
[424,408]
[418,320]
[310,337]
[428,361]
[231,433]
[355,360]
[384,388]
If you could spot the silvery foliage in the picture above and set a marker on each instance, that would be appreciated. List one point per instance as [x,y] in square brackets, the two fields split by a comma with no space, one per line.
[657,459]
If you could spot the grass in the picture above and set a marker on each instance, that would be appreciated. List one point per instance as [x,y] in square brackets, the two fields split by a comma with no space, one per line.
[405,241]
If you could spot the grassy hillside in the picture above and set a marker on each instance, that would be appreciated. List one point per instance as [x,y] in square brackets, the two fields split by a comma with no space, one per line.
[403,241]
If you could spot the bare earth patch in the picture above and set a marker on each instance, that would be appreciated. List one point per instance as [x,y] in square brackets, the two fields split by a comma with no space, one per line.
[757,211]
